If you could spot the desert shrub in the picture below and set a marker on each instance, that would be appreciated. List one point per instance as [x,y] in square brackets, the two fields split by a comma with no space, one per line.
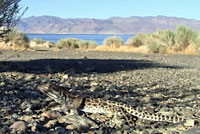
[159,41]
[38,40]
[156,46]
[68,43]
[86,44]
[92,44]
[196,45]
[167,37]
[76,43]
[113,41]
[17,39]
[52,44]
[184,36]
[137,41]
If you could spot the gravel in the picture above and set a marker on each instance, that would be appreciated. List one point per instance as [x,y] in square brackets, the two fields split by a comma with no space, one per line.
[163,83]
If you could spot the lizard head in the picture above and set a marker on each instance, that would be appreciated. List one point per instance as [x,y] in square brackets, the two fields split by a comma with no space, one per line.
[59,94]
[53,92]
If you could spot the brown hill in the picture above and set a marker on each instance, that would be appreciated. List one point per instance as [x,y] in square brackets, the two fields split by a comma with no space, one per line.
[114,25]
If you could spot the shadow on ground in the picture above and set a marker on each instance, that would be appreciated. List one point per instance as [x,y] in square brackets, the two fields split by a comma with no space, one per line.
[79,65]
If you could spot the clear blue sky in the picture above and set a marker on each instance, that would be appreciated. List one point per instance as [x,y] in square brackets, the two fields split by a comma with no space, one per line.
[103,9]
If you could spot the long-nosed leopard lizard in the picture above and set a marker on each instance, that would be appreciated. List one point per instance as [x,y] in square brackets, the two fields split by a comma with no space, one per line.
[100,106]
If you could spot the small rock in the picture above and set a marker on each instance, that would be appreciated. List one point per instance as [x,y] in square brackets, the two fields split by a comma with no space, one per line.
[192,131]
[197,113]
[99,131]
[144,132]
[189,123]
[50,123]
[65,77]
[95,88]
[4,130]
[14,115]
[77,122]
[118,132]
[71,127]
[51,114]
[2,84]
[29,77]
[94,84]
[33,128]
[188,112]
[36,106]
[19,126]
[59,130]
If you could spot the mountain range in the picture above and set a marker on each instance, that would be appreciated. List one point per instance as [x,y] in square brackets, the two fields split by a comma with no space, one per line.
[113,25]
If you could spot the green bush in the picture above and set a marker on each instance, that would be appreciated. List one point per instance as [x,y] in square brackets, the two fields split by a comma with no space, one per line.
[86,44]
[113,41]
[167,37]
[184,36]
[197,45]
[68,43]
[157,47]
[92,44]
[162,40]
[38,40]
[76,43]
[17,39]
[137,41]
[158,42]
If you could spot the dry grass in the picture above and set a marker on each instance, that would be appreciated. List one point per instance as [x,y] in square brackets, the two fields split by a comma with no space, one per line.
[189,50]
[144,49]
[3,46]
[141,49]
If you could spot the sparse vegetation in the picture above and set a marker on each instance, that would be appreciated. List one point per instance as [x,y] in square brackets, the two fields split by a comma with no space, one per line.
[137,41]
[183,39]
[76,44]
[160,41]
[113,41]
[157,47]
[87,44]
[38,41]
[67,43]
[16,40]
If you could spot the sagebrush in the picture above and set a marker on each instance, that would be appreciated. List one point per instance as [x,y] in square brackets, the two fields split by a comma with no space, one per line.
[113,41]
[17,40]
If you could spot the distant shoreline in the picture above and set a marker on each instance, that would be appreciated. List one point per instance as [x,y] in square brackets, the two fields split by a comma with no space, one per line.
[78,34]
[99,38]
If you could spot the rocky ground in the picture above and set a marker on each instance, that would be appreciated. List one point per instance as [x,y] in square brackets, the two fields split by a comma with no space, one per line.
[168,84]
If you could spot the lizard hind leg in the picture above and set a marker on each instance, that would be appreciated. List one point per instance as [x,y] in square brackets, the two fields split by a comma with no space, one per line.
[130,120]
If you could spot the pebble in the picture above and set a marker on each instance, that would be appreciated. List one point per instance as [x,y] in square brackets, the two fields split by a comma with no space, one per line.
[51,114]
[2,84]
[19,126]
[65,77]
[192,131]
[77,122]
[144,132]
[50,123]
[188,112]
[29,77]
[189,123]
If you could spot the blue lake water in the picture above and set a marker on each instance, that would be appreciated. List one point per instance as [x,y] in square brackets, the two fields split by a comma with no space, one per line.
[99,38]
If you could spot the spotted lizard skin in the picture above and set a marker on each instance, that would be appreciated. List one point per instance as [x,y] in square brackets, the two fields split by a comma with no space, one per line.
[101,106]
